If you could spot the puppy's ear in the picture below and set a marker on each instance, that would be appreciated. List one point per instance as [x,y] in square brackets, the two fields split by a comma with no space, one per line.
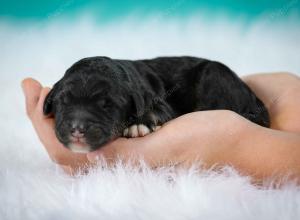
[47,108]
[48,103]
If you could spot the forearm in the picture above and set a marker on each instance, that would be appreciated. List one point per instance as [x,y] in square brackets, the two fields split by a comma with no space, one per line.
[225,138]
[263,152]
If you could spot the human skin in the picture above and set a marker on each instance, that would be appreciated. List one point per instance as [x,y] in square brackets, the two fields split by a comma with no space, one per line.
[218,137]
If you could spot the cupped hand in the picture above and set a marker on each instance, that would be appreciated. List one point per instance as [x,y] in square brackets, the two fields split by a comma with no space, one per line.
[189,138]
[44,126]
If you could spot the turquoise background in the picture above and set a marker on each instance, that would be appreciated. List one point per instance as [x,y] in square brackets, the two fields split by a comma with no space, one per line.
[108,10]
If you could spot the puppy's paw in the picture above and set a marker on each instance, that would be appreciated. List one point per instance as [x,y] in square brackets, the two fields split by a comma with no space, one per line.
[156,127]
[136,131]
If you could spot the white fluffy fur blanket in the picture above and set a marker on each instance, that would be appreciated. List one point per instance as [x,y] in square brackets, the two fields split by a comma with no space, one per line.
[32,187]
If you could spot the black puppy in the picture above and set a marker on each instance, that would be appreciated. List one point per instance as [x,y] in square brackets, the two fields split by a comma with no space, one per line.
[99,98]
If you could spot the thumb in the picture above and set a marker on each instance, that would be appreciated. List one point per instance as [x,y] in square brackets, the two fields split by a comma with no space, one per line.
[128,149]
[31,89]
[109,151]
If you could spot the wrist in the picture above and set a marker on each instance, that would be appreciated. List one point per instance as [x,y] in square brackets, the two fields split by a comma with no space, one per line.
[220,142]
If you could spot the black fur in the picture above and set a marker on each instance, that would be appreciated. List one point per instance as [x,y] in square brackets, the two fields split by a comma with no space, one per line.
[108,95]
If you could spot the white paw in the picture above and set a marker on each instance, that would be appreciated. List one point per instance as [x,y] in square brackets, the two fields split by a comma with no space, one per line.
[136,131]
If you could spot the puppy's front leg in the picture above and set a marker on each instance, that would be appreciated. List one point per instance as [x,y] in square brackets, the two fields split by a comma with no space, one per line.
[159,113]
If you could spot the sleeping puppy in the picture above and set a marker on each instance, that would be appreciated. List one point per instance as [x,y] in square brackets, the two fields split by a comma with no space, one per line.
[99,99]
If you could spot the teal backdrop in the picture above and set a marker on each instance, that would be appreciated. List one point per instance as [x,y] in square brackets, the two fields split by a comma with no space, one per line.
[107,10]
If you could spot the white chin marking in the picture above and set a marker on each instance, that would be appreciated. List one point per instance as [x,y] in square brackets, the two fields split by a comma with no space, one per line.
[79,149]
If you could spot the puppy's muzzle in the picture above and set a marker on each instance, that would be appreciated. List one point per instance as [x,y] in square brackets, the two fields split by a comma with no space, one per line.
[78,129]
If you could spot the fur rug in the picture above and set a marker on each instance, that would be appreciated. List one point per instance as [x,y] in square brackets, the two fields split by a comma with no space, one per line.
[32,187]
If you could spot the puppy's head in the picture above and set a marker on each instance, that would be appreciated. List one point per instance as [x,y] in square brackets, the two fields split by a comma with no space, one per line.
[88,104]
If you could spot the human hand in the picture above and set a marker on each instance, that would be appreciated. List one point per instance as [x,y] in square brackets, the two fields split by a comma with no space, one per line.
[44,126]
[185,140]
[211,137]
[208,137]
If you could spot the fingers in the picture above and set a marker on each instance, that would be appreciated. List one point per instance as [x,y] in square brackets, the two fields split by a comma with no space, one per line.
[31,89]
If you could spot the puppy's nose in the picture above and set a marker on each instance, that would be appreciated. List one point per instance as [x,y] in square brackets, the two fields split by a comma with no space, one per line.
[77,134]
[78,130]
